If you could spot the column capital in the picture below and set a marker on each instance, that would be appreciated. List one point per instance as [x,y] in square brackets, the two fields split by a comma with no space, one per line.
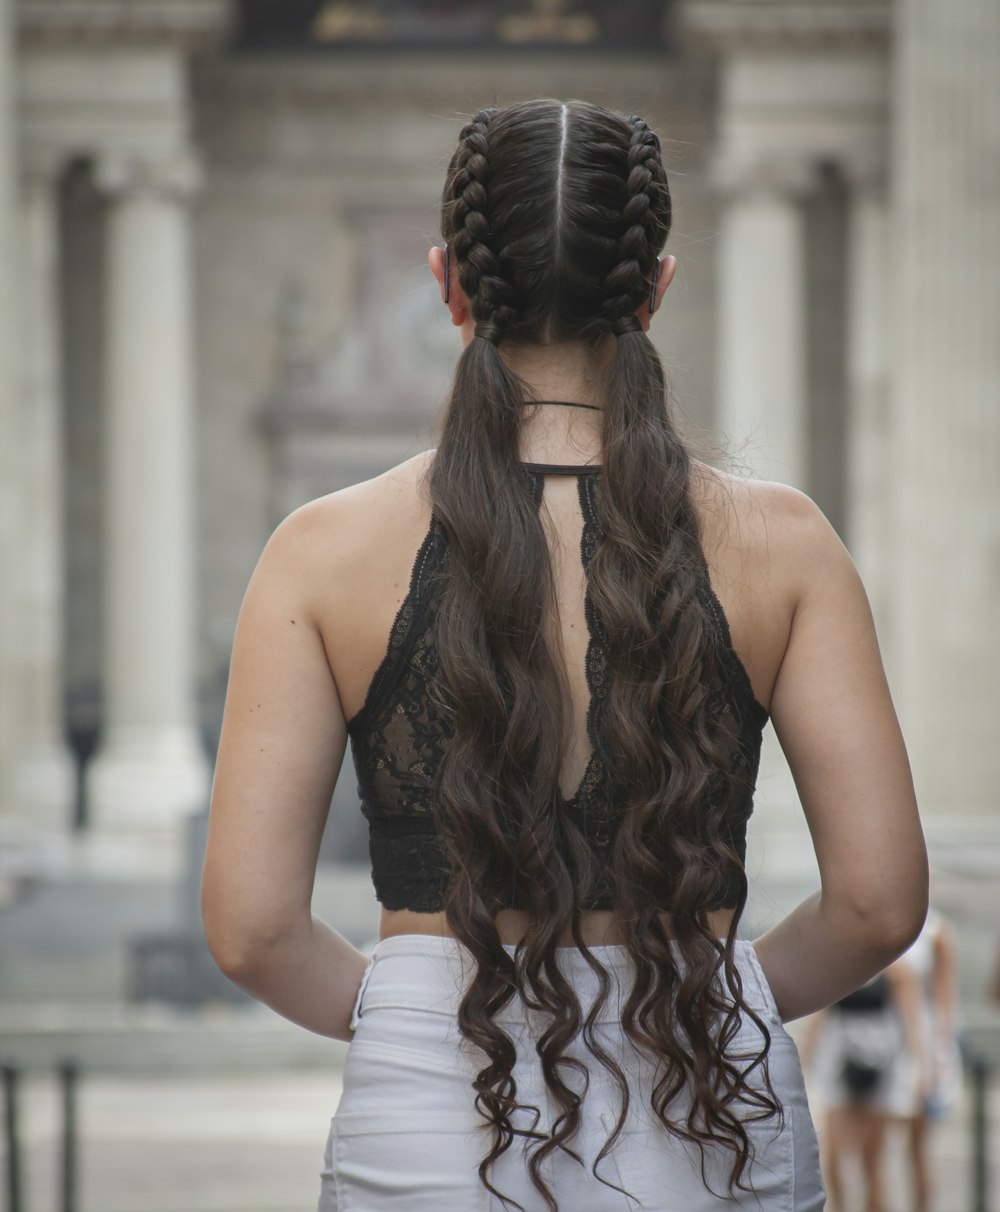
[176,177]
[189,25]
[785,176]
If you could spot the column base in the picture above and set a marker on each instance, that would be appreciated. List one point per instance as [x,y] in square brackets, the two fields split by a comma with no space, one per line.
[146,779]
[45,785]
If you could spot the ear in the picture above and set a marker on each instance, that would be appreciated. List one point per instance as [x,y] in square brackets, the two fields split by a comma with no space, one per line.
[665,269]
[457,303]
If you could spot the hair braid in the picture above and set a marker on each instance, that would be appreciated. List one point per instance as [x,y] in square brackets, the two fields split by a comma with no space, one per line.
[630,281]
[479,264]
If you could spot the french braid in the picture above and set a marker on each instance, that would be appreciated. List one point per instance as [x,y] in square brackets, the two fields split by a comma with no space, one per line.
[627,285]
[479,265]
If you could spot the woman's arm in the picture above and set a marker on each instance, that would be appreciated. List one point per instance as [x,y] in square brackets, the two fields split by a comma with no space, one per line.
[280,751]
[904,986]
[944,984]
[833,715]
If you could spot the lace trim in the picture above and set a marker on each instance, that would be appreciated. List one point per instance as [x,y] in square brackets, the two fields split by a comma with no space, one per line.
[401,633]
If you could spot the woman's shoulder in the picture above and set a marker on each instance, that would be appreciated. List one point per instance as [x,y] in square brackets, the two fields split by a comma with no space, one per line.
[359,510]
[764,520]
[331,538]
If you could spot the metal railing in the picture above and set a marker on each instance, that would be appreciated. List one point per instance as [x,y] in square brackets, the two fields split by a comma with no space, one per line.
[68,1071]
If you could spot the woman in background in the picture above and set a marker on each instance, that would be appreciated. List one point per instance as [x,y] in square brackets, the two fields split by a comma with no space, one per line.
[857,1052]
[554,642]
[932,1052]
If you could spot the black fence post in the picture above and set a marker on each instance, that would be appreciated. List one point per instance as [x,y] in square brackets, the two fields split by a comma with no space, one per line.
[13,1142]
[68,1074]
[980,1129]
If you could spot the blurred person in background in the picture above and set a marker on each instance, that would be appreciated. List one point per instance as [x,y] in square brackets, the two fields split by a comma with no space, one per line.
[932,1051]
[554,641]
[857,1053]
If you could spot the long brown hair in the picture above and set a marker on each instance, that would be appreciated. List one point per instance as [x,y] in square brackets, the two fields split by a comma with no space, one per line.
[555,214]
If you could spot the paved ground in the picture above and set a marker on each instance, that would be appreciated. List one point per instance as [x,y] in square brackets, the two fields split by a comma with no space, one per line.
[255,1144]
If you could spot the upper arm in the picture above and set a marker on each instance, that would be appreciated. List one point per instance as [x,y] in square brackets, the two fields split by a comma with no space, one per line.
[833,715]
[280,751]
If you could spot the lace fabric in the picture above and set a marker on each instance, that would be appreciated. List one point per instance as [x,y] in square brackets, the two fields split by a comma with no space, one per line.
[399,737]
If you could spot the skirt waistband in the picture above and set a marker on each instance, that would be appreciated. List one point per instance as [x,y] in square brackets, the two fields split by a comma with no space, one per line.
[431,972]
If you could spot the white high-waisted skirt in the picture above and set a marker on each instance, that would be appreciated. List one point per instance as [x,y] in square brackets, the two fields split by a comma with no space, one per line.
[406,1135]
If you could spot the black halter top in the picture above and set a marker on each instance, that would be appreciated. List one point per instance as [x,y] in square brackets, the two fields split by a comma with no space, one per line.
[398,738]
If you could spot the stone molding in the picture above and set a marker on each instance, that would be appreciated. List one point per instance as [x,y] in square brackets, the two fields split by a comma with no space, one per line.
[176,178]
[733,26]
[184,24]
[413,83]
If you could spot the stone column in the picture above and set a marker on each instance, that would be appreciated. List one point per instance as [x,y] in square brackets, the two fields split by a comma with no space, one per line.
[9,731]
[945,402]
[151,768]
[44,784]
[868,453]
[763,405]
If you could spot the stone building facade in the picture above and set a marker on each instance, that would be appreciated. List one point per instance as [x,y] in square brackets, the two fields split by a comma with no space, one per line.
[214,306]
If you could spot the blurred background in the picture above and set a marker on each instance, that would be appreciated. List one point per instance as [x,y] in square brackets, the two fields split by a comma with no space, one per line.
[215,306]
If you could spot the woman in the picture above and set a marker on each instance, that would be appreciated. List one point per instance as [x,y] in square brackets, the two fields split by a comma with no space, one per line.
[555,721]
[929,974]
[858,1052]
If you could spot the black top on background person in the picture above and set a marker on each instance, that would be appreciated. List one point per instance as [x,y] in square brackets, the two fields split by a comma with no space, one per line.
[551,594]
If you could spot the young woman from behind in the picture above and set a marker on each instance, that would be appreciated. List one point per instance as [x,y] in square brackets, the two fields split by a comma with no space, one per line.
[553,642]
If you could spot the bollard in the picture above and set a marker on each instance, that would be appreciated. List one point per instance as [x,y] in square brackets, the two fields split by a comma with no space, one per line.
[10,1078]
[68,1074]
[980,1157]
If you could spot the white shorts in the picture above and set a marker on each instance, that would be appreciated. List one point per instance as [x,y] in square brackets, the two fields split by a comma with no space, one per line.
[897,1090]
[406,1133]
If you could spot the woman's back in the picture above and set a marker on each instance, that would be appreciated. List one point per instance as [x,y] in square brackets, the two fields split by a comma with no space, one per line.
[369,540]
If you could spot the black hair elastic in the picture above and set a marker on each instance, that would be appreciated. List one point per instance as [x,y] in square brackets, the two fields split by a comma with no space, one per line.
[447,275]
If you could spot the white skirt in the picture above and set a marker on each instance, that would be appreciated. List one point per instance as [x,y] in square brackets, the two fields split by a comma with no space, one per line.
[406,1133]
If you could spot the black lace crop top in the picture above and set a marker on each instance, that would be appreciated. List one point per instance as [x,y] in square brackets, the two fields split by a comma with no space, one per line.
[397,739]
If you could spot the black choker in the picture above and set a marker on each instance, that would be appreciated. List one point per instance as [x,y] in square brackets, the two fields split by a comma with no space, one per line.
[565,404]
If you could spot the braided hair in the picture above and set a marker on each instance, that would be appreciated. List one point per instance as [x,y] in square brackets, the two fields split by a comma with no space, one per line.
[556,213]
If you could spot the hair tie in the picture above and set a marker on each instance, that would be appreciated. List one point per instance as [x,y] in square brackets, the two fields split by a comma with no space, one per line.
[624,324]
[489,331]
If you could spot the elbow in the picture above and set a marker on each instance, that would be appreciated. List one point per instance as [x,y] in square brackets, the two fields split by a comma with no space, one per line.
[234,953]
[902,923]
[887,914]
[239,942]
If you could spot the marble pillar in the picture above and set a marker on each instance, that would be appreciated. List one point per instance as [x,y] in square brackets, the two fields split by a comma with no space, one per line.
[9,731]
[763,405]
[151,768]
[945,401]
[868,456]
[44,784]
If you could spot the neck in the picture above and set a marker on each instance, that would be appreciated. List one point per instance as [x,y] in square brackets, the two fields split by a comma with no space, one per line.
[570,372]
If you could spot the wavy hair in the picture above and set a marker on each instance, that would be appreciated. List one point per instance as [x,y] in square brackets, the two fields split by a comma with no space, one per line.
[555,214]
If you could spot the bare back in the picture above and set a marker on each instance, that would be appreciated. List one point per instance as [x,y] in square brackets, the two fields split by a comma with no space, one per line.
[363,587]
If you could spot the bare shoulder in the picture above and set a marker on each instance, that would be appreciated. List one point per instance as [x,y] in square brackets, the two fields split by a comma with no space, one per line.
[368,500]
[328,542]
[773,527]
